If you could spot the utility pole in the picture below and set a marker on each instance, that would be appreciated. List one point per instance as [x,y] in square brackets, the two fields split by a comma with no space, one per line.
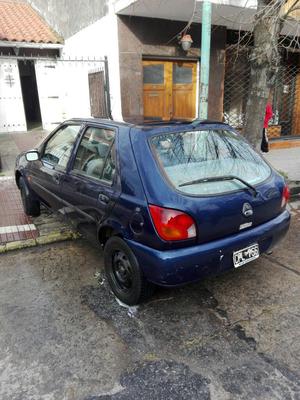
[205,59]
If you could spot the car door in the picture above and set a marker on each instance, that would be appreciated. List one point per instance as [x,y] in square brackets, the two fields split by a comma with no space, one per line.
[47,173]
[90,188]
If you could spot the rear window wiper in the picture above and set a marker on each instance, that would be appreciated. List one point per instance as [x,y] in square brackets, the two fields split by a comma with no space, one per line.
[221,178]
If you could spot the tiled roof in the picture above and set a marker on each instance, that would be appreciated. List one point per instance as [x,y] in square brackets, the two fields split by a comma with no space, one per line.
[19,22]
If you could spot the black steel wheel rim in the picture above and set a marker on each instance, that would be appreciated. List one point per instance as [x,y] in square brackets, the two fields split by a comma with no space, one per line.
[122,271]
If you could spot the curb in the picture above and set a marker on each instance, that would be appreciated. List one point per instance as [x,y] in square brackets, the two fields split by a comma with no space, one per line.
[41,240]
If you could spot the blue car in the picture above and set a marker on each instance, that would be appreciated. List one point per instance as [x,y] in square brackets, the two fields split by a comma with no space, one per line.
[170,203]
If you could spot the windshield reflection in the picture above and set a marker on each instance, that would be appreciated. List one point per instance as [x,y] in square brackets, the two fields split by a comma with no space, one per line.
[196,155]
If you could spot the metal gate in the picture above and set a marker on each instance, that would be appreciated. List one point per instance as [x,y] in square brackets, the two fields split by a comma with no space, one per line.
[286,101]
[97,90]
[64,90]
[236,85]
[12,115]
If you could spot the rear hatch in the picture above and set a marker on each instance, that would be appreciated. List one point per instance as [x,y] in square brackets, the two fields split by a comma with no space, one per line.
[215,176]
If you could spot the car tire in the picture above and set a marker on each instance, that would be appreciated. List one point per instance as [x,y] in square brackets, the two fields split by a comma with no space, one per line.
[30,205]
[124,274]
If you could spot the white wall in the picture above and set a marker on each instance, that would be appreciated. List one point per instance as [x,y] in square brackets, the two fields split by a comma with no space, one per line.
[63,90]
[12,115]
[96,41]
[63,86]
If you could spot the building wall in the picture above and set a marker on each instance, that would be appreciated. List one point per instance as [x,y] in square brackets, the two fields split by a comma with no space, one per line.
[63,84]
[70,16]
[95,42]
[144,36]
[63,88]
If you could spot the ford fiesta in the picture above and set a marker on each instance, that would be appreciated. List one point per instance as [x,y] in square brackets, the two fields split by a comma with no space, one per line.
[170,203]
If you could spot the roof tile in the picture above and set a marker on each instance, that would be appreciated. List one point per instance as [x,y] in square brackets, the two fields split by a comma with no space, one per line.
[19,22]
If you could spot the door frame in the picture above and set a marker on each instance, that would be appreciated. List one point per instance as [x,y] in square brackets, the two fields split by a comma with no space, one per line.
[34,87]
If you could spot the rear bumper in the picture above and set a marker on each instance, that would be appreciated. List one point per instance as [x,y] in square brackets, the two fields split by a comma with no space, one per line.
[180,266]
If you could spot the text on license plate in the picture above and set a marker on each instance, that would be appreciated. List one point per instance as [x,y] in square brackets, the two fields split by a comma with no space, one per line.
[245,255]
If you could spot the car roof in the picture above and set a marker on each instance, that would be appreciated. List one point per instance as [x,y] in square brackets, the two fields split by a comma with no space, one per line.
[147,125]
[104,121]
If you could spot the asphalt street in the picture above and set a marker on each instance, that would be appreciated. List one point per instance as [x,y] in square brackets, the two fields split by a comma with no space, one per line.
[64,336]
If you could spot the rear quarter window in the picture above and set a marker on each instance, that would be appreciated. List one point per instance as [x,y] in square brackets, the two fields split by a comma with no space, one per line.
[194,155]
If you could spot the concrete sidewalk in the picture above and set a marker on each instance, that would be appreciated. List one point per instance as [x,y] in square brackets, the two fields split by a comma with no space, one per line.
[287,161]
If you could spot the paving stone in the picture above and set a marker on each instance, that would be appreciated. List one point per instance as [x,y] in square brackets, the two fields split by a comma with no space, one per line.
[14,224]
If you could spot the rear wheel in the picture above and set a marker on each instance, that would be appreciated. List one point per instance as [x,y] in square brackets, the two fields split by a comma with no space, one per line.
[123,273]
[30,205]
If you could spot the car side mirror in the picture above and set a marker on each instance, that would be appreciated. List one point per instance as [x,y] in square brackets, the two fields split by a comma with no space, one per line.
[32,155]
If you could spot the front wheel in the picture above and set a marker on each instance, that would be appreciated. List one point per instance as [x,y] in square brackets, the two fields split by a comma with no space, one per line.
[124,274]
[30,205]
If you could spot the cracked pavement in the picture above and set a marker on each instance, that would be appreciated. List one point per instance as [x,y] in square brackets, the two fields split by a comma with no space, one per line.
[231,337]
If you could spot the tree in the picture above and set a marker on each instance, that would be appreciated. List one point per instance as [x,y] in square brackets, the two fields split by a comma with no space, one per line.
[265,58]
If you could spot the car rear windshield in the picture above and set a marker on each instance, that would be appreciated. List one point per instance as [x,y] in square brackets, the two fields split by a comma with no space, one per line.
[192,159]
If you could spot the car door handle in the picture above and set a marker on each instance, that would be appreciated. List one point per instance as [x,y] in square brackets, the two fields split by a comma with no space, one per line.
[103,198]
[78,186]
[56,178]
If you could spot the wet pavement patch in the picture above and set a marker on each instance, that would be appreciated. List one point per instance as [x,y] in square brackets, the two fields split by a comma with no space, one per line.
[169,320]
[283,368]
[248,380]
[161,379]
[240,332]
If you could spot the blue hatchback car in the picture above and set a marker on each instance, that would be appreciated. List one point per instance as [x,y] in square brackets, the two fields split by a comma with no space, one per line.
[170,203]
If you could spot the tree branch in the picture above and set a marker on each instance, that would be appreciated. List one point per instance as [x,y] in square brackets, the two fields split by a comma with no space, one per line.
[295,6]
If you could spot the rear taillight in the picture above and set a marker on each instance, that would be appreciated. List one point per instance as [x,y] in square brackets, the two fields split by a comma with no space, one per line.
[285,196]
[172,224]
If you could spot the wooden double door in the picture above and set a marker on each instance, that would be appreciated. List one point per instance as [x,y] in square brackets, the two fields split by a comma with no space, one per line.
[169,89]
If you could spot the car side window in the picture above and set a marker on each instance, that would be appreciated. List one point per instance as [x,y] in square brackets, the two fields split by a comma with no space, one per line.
[95,155]
[59,147]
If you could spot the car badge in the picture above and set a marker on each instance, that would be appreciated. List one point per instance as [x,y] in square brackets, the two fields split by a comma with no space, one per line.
[247,210]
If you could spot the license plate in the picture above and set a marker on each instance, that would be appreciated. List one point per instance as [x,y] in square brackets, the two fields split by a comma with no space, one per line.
[245,255]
